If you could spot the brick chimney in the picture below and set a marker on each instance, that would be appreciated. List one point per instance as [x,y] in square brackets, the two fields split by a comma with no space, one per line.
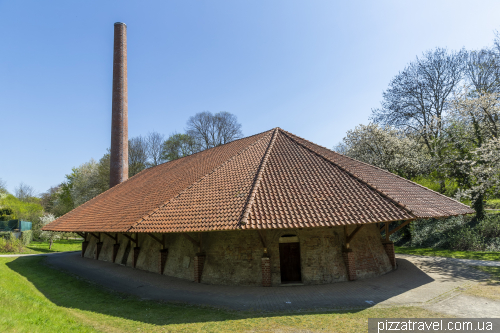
[119,122]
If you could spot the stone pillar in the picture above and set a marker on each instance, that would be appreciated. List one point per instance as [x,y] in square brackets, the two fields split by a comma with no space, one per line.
[266,271]
[116,247]
[350,264]
[98,250]
[199,261]
[389,249]
[163,260]
[84,247]
[136,255]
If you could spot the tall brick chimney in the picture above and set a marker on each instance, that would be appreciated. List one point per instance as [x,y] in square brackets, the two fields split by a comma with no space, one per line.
[119,122]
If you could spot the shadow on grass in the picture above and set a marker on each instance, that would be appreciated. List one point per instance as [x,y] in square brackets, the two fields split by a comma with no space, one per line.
[71,291]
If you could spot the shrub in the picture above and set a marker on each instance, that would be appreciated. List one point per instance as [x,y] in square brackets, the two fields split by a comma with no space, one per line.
[467,239]
[11,245]
[27,237]
[489,227]
[435,232]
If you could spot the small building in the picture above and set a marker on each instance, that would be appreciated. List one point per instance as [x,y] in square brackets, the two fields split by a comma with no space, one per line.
[268,209]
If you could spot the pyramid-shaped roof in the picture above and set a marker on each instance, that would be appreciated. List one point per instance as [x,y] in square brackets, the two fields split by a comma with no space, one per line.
[266,181]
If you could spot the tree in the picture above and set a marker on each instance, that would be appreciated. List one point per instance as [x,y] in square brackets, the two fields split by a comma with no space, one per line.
[154,142]
[417,97]
[85,183]
[482,71]
[178,145]
[3,186]
[473,120]
[484,170]
[386,148]
[137,155]
[49,236]
[25,192]
[211,130]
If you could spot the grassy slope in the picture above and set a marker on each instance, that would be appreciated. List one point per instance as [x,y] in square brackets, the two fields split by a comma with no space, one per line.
[58,246]
[448,253]
[36,298]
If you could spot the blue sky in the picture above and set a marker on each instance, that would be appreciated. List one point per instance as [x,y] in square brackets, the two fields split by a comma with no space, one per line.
[314,68]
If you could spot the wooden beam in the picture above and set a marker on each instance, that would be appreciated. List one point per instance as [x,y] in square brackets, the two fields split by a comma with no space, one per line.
[131,238]
[191,240]
[157,239]
[382,227]
[399,227]
[351,236]
[81,234]
[98,237]
[386,231]
[115,238]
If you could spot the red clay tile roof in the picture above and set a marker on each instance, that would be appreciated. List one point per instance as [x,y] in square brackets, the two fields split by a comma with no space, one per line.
[270,180]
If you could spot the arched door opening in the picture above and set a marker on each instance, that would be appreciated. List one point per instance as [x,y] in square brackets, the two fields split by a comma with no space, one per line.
[290,259]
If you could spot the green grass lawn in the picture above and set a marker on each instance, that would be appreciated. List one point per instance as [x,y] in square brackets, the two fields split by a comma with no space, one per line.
[37,298]
[61,245]
[448,253]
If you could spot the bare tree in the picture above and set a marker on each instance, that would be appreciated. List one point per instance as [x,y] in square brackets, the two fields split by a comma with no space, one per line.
[483,71]
[137,155]
[417,97]
[154,142]
[211,130]
[24,192]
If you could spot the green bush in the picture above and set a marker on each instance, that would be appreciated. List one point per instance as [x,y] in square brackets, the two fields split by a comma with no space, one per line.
[462,233]
[27,237]
[489,227]
[11,245]
[467,239]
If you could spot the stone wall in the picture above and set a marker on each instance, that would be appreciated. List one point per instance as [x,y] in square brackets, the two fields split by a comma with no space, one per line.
[235,257]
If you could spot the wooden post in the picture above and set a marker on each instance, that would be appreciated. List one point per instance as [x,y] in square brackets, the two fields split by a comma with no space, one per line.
[163,260]
[116,247]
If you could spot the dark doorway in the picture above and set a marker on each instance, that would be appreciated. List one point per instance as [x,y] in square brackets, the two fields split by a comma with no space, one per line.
[290,262]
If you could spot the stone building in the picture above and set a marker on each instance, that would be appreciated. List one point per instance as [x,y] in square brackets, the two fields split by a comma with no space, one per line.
[268,209]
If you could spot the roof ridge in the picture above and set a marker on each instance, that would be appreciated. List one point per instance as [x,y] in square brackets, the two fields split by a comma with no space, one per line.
[350,173]
[376,167]
[201,151]
[195,182]
[257,179]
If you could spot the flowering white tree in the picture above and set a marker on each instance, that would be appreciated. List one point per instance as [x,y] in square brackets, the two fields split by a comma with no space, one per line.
[473,130]
[86,182]
[386,148]
[49,236]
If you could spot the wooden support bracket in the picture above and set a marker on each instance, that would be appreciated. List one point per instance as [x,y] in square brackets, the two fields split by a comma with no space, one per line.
[98,237]
[399,227]
[162,243]
[351,236]
[136,240]
[115,238]
[191,239]
[81,234]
